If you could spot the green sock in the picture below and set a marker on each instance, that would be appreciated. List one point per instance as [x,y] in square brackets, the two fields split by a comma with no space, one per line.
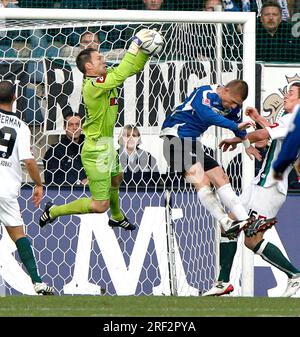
[274,256]
[227,252]
[28,259]
[115,204]
[79,206]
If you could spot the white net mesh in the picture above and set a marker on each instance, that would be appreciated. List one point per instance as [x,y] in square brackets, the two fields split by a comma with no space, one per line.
[82,254]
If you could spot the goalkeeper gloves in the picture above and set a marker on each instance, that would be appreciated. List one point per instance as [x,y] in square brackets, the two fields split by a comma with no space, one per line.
[141,37]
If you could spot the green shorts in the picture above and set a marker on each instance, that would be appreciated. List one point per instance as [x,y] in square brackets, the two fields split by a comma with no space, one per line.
[101,163]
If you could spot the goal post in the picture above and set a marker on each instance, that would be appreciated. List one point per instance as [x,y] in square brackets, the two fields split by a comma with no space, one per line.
[39,49]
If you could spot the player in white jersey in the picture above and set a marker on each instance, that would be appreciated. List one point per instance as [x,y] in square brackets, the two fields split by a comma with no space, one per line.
[14,148]
[263,199]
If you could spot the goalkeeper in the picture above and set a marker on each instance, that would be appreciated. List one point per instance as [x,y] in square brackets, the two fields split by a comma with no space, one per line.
[99,158]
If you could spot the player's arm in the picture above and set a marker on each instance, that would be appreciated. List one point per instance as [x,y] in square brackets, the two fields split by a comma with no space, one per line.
[115,77]
[206,114]
[256,117]
[26,156]
[132,63]
[255,136]
[34,173]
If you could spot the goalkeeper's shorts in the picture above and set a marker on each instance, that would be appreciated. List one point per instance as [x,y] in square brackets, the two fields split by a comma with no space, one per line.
[101,163]
[182,153]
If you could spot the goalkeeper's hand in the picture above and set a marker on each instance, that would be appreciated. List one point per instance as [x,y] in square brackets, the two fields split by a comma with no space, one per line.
[141,37]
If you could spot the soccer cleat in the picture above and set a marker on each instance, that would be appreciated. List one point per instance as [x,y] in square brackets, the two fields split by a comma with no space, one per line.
[292,287]
[259,225]
[237,226]
[43,289]
[220,288]
[45,217]
[123,224]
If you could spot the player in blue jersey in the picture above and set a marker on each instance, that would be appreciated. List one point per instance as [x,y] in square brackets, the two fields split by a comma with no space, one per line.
[263,199]
[206,106]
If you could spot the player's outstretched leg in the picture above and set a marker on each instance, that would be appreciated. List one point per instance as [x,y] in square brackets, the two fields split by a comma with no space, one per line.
[259,225]
[292,287]
[43,289]
[233,227]
[45,217]
[219,288]
[125,224]
[250,226]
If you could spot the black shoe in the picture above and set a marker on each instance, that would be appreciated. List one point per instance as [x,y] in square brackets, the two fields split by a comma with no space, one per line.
[237,226]
[259,225]
[125,224]
[45,217]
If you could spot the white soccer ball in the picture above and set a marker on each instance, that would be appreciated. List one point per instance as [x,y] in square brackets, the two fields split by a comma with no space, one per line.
[154,46]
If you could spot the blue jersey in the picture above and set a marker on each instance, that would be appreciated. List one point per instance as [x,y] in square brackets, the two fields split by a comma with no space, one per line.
[202,109]
[291,144]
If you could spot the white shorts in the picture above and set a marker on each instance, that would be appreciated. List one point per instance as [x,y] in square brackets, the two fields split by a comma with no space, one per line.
[263,202]
[10,215]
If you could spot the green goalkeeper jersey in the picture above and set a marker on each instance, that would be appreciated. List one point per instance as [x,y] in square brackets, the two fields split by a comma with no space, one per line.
[100,96]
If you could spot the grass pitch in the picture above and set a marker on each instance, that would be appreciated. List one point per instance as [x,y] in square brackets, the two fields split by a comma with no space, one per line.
[147,306]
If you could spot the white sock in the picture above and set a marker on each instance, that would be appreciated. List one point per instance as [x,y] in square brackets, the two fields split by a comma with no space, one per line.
[232,202]
[210,201]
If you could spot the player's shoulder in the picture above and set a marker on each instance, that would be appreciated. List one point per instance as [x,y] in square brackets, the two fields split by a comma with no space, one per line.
[97,79]
[284,119]
[206,94]
[206,88]
[11,119]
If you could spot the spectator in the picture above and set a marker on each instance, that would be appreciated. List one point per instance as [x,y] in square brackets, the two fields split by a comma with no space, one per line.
[274,39]
[136,163]
[91,39]
[153,5]
[250,6]
[8,3]
[231,6]
[87,40]
[62,161]
[212,5]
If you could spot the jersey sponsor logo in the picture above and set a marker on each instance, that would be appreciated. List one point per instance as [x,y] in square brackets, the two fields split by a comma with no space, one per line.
[206,101]
[274,125]
[101,79]
[113,101]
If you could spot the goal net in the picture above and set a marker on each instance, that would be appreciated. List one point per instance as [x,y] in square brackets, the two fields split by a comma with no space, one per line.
[174,249]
